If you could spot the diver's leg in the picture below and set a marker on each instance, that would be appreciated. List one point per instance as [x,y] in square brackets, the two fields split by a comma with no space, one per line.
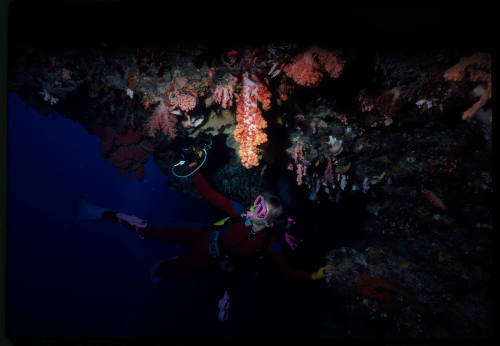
[191,236]
[185,265]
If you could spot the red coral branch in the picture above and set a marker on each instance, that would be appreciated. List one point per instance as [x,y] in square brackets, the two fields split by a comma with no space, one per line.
[107,141]
[126,152]
[130,137]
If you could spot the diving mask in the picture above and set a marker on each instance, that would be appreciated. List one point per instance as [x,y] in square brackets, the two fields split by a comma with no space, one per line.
[259,208]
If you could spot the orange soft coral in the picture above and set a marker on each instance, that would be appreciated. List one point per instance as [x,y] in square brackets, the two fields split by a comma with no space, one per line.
[374,287]
[463,67]
[305,68]
[330,60]
[248,131]
[264,97]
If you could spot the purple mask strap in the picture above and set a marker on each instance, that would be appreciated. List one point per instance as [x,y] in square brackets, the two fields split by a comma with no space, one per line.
[260,207]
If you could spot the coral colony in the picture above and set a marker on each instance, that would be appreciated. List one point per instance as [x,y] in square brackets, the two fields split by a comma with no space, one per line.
[407,136]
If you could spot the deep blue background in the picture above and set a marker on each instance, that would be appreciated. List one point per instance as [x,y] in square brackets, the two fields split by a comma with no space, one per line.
[71,278]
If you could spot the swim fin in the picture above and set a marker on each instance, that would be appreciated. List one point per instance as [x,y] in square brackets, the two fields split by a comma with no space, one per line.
[89,211]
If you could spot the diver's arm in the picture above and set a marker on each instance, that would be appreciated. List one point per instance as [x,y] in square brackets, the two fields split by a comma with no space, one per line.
[217,199]
[129,221]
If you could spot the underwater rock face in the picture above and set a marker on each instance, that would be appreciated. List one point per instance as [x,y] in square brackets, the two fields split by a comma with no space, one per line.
[413,143]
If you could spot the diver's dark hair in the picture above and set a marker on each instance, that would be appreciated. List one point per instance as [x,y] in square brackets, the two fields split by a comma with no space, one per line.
[275,202]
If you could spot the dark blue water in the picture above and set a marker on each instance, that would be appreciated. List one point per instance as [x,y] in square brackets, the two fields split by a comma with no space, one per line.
[71,278]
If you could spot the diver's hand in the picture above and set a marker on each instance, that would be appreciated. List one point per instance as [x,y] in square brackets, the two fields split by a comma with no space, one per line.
[320,274]
[292,241]
[132,220]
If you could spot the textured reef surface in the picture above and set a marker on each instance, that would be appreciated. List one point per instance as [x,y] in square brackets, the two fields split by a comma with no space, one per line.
[401,138]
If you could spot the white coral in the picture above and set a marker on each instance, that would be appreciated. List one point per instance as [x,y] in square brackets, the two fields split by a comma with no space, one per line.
[47,97]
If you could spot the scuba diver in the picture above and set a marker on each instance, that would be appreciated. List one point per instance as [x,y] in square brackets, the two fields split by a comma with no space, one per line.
[239,235]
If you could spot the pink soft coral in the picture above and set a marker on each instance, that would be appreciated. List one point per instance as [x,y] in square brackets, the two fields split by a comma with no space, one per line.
[183,101]
[162,120]
[223,95]
[298,157]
